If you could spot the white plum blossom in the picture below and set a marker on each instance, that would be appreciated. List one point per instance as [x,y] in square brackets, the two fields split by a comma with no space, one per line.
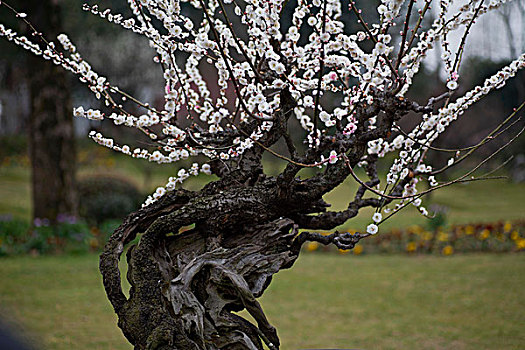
[332,158]
[377,217]
[206,169]
[159,192]
[79,112]
[372,229]
[452,85]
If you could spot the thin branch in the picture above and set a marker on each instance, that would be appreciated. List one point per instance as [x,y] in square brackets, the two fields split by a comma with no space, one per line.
[321,68]
[498,167]
[487,138]
[227,63]
[404,35]
[458,180]
[342,240]
[459,54]
[236,38]
[372,37]
[455,150]
[418,24]
[425,192]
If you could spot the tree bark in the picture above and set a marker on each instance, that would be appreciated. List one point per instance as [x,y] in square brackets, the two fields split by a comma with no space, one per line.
[201,258]
[51,133]
[185,287]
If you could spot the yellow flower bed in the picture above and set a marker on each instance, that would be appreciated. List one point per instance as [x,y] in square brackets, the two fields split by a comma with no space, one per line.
[504,236]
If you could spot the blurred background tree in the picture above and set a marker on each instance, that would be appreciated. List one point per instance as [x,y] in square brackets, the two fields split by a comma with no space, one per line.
[51,133]
[49,124]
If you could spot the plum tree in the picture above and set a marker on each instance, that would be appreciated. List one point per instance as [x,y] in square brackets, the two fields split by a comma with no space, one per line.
[242,76]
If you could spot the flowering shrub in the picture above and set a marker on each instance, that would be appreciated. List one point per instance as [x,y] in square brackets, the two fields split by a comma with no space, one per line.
[103,197]
[495,237]
[68,235]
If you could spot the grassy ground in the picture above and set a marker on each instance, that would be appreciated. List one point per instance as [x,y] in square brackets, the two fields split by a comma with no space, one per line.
[383,302]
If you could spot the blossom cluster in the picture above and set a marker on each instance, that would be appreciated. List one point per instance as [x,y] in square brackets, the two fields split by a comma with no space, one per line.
[226,71]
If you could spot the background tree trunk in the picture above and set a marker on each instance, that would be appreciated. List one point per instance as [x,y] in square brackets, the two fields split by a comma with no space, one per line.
[51,133]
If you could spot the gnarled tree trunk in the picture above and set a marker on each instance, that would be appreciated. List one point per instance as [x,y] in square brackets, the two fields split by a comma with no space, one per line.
[185,287]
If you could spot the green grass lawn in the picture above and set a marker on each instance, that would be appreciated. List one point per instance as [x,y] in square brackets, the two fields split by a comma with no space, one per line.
[324,301]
